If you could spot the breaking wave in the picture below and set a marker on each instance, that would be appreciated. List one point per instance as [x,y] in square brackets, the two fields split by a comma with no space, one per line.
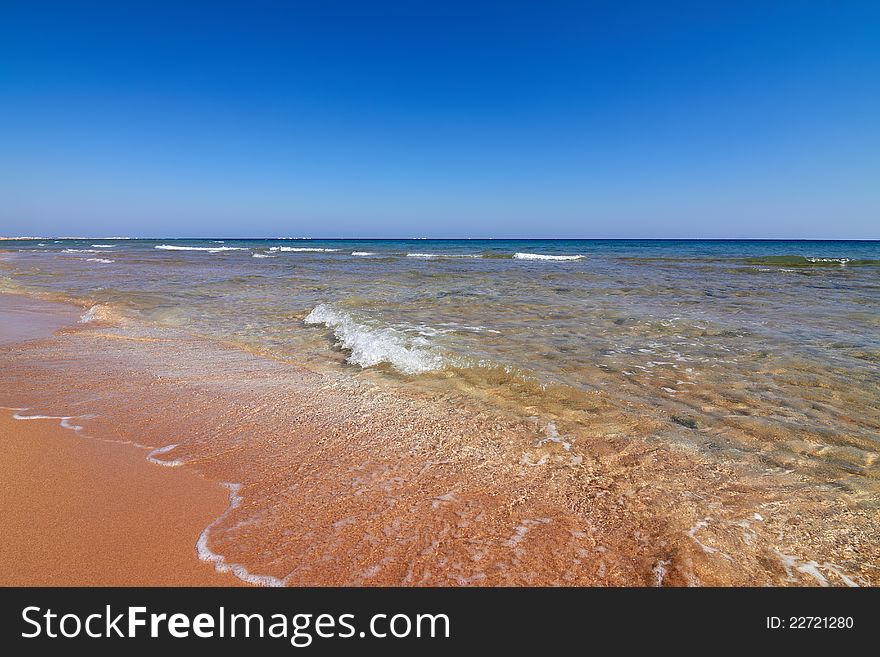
[541,256]
[208,249]
[369,346]
[311,249]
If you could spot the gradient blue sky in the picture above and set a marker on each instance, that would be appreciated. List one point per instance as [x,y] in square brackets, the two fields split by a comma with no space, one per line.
[441,119]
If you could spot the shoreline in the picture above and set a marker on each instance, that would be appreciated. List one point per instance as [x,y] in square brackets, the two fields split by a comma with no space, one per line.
[342,482]
[79,512]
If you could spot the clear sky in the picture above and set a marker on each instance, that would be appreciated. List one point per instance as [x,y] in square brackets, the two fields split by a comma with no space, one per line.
[441,119]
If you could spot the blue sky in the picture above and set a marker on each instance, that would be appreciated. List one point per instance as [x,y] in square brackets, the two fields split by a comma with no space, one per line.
[441,119]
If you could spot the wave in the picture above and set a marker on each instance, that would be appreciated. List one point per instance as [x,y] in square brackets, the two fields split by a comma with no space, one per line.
[79,251]
[541,256]
[103,246]
[370,346]
[98,312]
[209,249]
[261,255]
[443,255]
[311,249]
[105,261]
[363,253]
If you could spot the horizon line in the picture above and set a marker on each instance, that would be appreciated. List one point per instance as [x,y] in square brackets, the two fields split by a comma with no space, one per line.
[452,239]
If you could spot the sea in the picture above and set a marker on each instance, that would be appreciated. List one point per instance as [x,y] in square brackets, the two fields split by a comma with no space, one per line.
[759,351]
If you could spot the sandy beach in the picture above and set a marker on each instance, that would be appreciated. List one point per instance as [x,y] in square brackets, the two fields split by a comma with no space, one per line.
[75,511]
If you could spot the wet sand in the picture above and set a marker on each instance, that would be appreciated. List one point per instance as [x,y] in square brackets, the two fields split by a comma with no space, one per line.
[23,319]
[341,481]
[77,511]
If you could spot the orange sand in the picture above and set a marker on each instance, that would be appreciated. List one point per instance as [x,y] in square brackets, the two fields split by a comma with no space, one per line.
[74,511]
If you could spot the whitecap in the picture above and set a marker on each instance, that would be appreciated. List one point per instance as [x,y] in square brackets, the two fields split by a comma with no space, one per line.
[371,346]
[96,312]
[208,249]
[443,255]
[541,256]
[307,249]
[63,420]
[105,261]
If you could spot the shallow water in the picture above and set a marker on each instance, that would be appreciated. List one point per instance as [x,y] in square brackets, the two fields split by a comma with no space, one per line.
[761,356]
[773,344]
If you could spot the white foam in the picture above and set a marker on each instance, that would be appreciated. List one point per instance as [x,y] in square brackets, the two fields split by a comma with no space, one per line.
[103,246]
[840,261]
[220,564]
[208,249]
[363,253]
[79,251]
[261,255]
[63,420]
[371,346]
[442,255]
[105,261]
[151,457]
[708,549]
[309,249]
[475,329]
[541,256]
[89,315]
[660,572]
[846,580]
[811,568]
